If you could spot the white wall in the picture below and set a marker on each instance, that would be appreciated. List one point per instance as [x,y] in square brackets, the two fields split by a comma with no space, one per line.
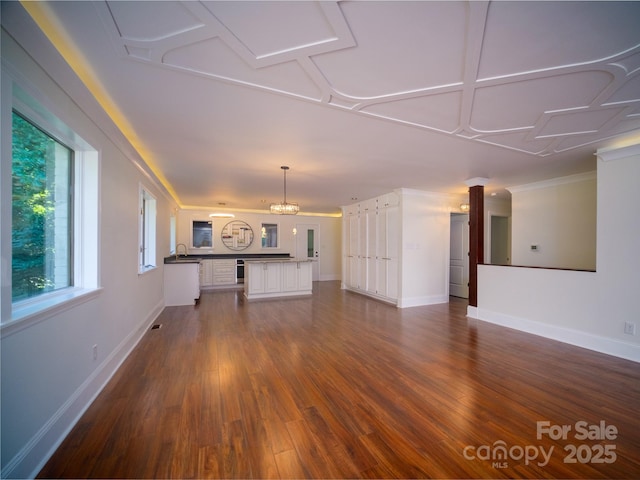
[559,217]
[588,309]
[424,252]
[618,260]
[499,207]
[49,375]
[329,236]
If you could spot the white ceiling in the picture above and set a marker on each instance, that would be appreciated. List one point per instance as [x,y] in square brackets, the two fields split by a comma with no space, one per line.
[358,98]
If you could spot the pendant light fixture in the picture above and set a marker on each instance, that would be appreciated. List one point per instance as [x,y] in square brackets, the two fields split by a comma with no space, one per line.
[284,208]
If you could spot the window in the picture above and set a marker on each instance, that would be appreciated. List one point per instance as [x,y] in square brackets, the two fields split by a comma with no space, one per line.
[172,233]
[49,211]
[201,234]
[42,212]
[269,234]
[147,231]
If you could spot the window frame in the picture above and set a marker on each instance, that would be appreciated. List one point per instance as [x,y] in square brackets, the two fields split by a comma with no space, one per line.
[192,223]
[68,204]
[147,231]
[18,94]
[263,233]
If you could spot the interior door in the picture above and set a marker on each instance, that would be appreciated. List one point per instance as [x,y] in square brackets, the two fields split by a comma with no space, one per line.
[459,256]
[307,246]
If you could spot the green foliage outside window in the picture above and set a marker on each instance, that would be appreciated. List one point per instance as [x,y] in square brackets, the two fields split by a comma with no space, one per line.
[40,232]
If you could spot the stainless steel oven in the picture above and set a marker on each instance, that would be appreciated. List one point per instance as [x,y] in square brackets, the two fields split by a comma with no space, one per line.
[239,270]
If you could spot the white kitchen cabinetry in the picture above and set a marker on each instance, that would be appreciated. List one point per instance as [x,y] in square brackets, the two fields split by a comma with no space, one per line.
[181,283]
[218,273]
[351,225]
[206,273]
[372,237]
[277,278]
[224,272]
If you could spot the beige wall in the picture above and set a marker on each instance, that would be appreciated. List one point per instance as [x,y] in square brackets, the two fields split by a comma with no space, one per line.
[559,217]
[329,236]
[588,309]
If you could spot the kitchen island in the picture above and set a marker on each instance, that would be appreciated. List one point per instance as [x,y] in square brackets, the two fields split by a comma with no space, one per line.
[282,277]
[181,282]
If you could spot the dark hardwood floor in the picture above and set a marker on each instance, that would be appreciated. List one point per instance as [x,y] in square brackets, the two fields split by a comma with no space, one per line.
[341,386]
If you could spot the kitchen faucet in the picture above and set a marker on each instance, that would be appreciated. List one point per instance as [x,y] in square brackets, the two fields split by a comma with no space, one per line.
[178,250]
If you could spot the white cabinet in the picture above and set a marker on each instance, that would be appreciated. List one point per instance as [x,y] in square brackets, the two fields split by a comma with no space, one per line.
[272,277]
[224,272]
[372,236]
[352,243]
[206,273]
[218,272]
[262,277]
[277,278]
[296,276]
[181,283]
[305,276]
[290,277]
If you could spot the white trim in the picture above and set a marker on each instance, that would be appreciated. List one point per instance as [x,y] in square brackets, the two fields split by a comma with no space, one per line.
[39,309]
[607,155]
[421,301]
[35,453]
[577,338]
[553,182]
[328,277]
[476,182]
[36,108]
[420,193]
[278,235]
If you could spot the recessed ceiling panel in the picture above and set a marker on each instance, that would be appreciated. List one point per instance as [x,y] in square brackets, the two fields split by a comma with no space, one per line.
[629,92]
[519,141]
[521,104]
[268,28]
[527,36]
[569,123]
[440,112]
[574,141]
[346,85]
[631,63]
[213,57]
[148,21]
[401,46]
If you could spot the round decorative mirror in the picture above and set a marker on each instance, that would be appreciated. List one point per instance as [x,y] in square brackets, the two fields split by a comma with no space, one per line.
[237,235]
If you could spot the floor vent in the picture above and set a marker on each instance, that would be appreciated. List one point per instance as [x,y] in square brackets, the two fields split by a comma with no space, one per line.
[156,326]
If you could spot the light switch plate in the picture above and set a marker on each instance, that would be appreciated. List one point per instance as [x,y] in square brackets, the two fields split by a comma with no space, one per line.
[629,328]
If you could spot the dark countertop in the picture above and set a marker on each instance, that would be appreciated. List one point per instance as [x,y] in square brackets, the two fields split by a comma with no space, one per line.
[223,256]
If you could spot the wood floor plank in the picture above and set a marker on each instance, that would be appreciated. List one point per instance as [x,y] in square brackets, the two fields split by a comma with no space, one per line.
[289,466]
[337,385]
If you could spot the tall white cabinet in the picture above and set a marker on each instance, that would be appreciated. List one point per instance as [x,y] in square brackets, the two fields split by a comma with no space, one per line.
[396,247]
[371,240]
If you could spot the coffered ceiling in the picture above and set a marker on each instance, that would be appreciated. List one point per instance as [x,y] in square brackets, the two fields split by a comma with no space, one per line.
[358,97]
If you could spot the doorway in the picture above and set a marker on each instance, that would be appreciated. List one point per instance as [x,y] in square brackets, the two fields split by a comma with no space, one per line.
[499,240]
[459,256]
[307,246]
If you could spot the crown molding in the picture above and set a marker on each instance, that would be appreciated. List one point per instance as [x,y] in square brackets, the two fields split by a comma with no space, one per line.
[554,182]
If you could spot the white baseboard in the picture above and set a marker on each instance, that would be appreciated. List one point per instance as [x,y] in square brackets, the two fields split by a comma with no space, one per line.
[36,452]
[421,301]
[330,277]
[578,338]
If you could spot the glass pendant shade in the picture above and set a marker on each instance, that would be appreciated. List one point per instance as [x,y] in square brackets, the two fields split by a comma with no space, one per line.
[284,207]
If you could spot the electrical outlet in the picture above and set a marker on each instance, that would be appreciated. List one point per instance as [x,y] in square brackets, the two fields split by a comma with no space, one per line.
[629,328]
[95,352]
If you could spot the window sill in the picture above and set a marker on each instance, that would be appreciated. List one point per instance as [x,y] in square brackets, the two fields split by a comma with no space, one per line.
[146,269]
[25,316]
